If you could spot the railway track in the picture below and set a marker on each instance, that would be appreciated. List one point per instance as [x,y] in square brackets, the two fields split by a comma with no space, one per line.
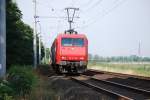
[123,86]
[115,90]
[93,72]
[124,79]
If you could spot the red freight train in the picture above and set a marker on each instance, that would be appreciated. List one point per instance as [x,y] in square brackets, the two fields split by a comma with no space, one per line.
[69,53]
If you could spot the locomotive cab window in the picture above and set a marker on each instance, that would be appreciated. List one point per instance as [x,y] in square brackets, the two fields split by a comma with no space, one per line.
[72,42]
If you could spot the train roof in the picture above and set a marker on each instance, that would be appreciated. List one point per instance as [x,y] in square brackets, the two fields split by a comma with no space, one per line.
[72,35]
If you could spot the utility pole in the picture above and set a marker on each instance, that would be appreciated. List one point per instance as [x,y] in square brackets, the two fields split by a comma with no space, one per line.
[39,35]
[71,17]
[34,37]
[139,49]
[45,57]
[2,38]
[39,48]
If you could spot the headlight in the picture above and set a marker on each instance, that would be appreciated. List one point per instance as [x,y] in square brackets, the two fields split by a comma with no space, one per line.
[81,58]
[63,57]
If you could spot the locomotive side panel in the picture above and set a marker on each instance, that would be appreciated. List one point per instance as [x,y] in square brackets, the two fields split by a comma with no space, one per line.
[58,50]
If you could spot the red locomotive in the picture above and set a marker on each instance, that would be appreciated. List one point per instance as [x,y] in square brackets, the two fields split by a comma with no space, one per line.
[69,53]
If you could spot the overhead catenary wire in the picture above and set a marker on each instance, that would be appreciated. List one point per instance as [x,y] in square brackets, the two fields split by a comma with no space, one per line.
[89,4]
[86,12]
[55,17]
[52,8]
[96,4]
[103,15]
[85,5]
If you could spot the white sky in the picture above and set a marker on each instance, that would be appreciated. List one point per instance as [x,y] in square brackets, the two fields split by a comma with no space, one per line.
[113,27]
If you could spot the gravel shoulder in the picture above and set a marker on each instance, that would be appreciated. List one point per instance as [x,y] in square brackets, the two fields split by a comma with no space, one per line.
[66,89]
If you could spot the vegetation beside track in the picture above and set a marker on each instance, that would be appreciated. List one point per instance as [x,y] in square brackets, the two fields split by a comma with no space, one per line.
[20,80]
[142,69]
[19,41]
[18,84]
[25,83]
[43,89]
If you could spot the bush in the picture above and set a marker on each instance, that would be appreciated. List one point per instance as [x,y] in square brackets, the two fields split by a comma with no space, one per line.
[22,79]
[6,92]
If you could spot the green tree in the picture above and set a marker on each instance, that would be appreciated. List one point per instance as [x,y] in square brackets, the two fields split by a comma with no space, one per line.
[19,37]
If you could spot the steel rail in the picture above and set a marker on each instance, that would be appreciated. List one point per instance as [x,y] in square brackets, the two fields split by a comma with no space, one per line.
[101,89]
[123,86]
[120,74]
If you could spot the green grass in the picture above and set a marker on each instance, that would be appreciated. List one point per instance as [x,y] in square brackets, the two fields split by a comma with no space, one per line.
[43,91]
[141,69]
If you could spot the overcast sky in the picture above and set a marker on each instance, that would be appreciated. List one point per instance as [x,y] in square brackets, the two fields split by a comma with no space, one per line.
[113,27]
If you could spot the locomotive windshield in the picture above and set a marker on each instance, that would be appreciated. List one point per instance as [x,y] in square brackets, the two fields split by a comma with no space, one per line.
[72,42]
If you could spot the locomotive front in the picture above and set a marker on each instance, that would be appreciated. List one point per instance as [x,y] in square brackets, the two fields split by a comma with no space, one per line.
[72,53]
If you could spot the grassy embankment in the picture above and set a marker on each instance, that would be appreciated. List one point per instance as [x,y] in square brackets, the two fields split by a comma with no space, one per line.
[25,83]
[142,69]
[43,89]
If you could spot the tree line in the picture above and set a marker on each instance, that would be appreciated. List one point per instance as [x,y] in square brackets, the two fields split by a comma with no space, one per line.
[19,37]
[132,58]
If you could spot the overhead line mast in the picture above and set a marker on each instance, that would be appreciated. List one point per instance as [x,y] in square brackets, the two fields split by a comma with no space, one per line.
[34,37]
[39,35]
